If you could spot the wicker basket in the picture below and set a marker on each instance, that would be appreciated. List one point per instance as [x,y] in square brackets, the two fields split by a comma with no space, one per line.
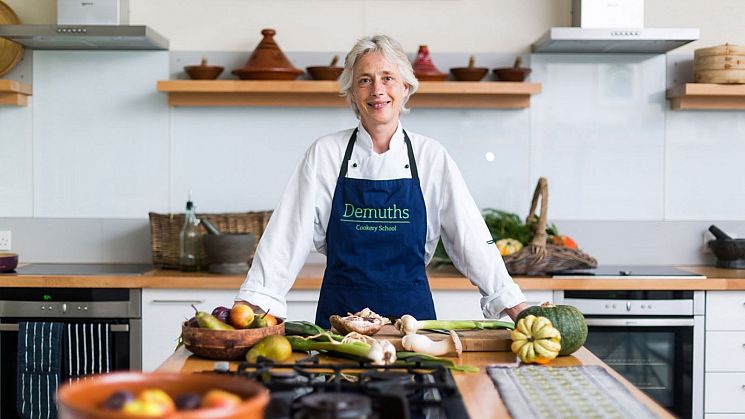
[540,257]
[166,228]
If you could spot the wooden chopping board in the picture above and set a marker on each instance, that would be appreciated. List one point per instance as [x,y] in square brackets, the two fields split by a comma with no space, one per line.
[472,340]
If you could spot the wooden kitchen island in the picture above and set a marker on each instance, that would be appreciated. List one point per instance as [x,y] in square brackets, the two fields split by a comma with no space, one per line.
[479,393]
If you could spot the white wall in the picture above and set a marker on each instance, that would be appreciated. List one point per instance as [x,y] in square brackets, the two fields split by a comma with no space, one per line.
[445,25]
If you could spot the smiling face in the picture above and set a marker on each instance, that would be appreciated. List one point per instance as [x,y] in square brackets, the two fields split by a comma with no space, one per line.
[378,91]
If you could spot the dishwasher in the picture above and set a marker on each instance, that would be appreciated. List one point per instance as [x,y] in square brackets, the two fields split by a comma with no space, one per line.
[120,308]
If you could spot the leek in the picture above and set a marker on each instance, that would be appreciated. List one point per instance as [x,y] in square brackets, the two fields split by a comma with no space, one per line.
[408,324]
[411,358]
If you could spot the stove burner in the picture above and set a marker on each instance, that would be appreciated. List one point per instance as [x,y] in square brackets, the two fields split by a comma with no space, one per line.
[392,377]
[389,382]
[283,376]
[335,406]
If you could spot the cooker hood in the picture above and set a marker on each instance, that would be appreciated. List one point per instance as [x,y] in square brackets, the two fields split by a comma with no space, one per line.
[600,40]
[84,37]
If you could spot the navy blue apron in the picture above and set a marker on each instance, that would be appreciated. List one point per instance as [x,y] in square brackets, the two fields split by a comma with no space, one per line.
[375,247]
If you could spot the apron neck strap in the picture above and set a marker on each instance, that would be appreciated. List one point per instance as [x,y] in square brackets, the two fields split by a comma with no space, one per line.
[350,146]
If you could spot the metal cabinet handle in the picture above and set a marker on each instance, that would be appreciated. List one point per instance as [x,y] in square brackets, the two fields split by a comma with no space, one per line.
[13,327]
[178,301]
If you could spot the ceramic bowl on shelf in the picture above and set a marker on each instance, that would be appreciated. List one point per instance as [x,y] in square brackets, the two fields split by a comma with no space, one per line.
[511,74]
[85,399]
[203,71]
[225,344]
[470,73]
[326,72]
[514,73]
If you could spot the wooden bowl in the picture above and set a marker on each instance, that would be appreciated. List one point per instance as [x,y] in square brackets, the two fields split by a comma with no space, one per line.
[325,72]
[83,399]
[469,73]
[225,344]
[8,262]
[511,73]
[203,72]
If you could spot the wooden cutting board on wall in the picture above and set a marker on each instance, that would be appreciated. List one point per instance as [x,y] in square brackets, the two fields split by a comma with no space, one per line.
[472,340]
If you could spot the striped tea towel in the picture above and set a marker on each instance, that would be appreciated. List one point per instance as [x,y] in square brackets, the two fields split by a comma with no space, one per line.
[39,357]
[87,348]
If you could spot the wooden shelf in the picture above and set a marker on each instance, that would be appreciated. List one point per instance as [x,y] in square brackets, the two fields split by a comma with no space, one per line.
[707,96]
[14,93]
[311,93]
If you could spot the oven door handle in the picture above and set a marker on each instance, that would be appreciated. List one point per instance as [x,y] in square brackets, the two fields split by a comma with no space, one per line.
[657,322]
[13,327]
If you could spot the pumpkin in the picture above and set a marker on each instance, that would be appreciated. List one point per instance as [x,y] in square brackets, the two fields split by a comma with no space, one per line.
[508,246]
[570,322]
[535,340]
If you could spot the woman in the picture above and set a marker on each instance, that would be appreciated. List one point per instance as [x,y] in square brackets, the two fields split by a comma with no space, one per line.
[375,199]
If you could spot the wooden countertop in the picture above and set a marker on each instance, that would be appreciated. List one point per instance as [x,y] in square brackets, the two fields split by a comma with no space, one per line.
[479,393]
[440,279]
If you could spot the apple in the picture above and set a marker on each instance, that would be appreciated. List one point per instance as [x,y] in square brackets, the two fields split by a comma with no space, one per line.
[220,398]
[241,316]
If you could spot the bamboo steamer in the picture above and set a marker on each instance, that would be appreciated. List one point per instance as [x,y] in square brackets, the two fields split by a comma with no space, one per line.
[723,64]
[10,52]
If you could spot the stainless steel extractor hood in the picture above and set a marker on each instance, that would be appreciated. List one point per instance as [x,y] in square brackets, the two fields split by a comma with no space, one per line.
[84,37]
[598,40]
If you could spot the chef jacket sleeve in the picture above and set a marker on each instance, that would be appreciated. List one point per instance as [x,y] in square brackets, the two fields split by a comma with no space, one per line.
[469,244]
[285,244]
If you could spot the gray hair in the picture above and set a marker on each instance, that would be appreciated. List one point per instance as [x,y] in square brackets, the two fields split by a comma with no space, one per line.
[391,51]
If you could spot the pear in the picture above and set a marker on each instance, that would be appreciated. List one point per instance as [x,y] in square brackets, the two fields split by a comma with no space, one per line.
[275,347]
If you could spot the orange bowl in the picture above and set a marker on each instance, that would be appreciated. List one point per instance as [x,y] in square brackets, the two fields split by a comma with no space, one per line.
[84,399]
[225,344]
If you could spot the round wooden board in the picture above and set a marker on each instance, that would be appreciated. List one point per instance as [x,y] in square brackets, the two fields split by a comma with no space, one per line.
[720,76]
[10,52]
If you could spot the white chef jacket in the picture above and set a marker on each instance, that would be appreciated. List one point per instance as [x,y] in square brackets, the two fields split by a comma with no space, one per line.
[301,218]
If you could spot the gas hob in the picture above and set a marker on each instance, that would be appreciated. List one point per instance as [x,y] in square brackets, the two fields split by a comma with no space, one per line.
[311,389]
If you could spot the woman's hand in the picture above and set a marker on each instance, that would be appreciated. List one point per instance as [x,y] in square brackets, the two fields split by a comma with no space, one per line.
[514,311]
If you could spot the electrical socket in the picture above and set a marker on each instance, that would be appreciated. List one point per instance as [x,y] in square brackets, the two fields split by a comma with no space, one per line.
[4,239]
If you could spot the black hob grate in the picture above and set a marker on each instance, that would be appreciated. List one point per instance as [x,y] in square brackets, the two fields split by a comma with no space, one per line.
[312,389]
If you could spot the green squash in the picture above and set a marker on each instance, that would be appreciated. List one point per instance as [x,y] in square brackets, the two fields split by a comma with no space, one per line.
[570,322]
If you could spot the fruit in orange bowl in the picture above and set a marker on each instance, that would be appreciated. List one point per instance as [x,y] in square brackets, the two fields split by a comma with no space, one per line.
[225,344]
[87,399]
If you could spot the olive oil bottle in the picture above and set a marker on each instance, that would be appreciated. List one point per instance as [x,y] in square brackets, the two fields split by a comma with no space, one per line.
[189,239]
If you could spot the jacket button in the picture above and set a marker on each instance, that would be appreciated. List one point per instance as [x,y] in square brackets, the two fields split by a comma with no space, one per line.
[406,167]
[354,164]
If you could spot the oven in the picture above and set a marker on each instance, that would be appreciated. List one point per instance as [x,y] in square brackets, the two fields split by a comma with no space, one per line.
[120,308]
[655,339]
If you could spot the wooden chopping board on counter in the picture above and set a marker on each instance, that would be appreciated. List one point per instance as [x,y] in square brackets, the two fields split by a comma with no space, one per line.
[472,340]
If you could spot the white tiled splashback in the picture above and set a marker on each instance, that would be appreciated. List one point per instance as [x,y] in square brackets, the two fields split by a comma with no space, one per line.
[99,141]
